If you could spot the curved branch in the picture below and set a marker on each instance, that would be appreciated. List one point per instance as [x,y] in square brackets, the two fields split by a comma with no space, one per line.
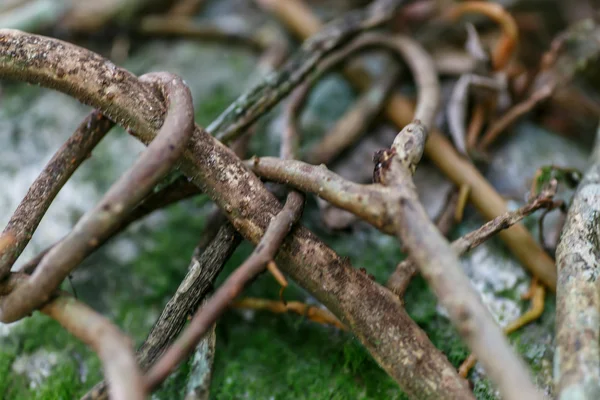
[90,78]
[353,124]
[44,189]
[122,197]
[505,48]
[440,151]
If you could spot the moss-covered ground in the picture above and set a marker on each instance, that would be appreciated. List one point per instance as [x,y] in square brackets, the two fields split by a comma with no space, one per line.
[259,355]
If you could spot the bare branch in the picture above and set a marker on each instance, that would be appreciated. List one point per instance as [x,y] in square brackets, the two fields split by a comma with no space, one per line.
[458,104]
[365,201]
[193,289]
[438,263]
[400,279]
[506,46]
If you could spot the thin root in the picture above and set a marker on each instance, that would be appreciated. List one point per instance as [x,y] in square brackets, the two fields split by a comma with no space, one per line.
[313,313]
[506,46]
[279,277]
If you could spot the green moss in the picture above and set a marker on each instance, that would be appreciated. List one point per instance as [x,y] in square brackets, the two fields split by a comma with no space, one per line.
[66,380]
[64,383]
[277,357]
[483,390]
[9,384]
[288,357]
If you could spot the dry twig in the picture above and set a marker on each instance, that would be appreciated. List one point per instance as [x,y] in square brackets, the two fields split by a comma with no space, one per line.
[457,106]
[558,67]
[407,269]
[400,279]
[505,48]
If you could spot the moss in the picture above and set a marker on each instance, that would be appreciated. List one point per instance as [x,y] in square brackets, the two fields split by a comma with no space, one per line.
[77,363]
[284,357]
[483,390]
[9,384]
[263,355]
[64,383]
